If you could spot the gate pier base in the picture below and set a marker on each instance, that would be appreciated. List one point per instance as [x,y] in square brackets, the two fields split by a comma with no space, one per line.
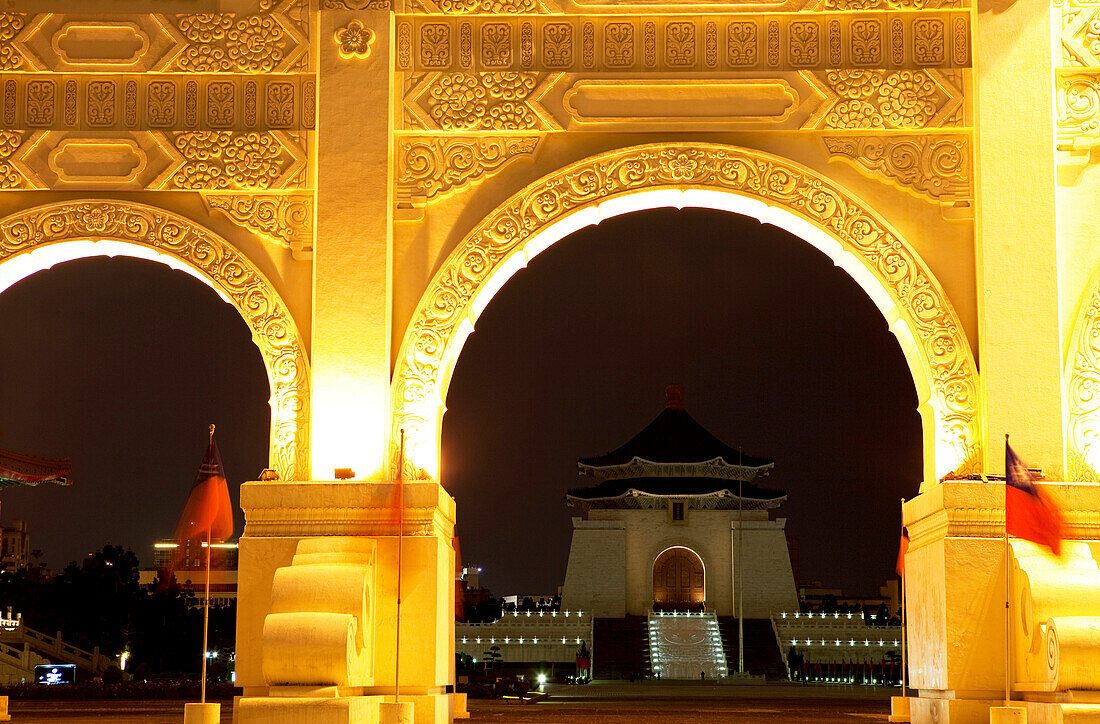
[317,603]
[955,606]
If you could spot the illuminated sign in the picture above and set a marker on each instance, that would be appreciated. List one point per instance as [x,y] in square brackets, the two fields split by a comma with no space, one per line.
[55,673]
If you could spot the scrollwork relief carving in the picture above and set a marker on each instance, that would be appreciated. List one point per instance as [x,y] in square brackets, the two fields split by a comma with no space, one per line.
[906,99]
[431,167]
[283,219]
[10,26]
[10,141]
[1078,104]
[273,328]
[225,160]
[474,101]
[1083,389]
[935,167]
[921,302]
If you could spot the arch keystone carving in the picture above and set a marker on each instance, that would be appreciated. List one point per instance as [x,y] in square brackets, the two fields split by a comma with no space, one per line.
[932,339]
[226,269]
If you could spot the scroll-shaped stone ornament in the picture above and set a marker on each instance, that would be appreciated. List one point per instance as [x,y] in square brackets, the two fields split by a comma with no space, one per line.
[319,630]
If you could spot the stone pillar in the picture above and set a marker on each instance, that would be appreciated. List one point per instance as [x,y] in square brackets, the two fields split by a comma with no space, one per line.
[1020,341]
[352,291]
[287,524]
[955,595]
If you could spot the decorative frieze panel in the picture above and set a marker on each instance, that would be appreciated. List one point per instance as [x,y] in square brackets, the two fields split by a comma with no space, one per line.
[1077,94]
[282,219]
[193,102]
[809,100]
[617,43]
[146,160]
[475,102]
[262,36]
[499,7]
[432,166]
[934,167]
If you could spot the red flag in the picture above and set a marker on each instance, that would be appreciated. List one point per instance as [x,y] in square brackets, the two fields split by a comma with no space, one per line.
[208,514]
[903,547]
[1029,513]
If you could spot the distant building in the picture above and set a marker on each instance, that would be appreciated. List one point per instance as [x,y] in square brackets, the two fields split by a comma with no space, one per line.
[15,547]
[190,568]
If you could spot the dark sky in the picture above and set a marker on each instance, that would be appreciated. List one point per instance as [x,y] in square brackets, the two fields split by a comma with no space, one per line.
[121,364]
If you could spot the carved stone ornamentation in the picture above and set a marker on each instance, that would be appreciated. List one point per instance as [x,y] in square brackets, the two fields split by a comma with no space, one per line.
[10,25]
[1083,389]
[940,341]
[354,41]
[246,161]
[431,167]
[1078,104]
[229,271]
[283,219]
[935,167]
[10,141]
[906,99]
[474,102]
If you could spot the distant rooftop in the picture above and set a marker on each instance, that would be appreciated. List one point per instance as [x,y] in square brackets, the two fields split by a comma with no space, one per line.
[21,469]
[675,457]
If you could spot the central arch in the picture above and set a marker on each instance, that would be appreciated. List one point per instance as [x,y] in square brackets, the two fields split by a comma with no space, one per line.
[38,238]
[767,187]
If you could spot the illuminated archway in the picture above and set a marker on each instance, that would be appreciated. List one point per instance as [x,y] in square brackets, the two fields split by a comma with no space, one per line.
[38,238]
[1083,390]
[679,578]
[769,188]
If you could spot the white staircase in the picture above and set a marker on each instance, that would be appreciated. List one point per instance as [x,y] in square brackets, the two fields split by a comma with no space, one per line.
[684,643]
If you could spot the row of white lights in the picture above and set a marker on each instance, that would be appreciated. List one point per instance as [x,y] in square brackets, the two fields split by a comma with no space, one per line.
[508,640]
[838,642]
[681,613]
[825,615]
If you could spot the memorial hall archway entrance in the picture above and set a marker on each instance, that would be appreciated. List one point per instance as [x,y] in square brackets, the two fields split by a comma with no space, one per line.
[679,580]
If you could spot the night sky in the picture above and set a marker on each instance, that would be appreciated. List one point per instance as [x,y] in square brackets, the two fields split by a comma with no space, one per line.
[121,364]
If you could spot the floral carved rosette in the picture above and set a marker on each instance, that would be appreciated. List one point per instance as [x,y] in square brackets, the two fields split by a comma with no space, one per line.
[435,326]
[273,328]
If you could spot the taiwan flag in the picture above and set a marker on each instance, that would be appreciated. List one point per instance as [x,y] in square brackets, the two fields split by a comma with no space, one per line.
[1029,514]
[903,548]
[208,514]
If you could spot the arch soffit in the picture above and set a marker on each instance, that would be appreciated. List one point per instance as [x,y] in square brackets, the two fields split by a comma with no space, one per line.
[224,267]
[1083,389]
[775,190]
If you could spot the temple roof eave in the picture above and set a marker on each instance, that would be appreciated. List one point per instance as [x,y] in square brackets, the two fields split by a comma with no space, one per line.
[634,499]
[639,467]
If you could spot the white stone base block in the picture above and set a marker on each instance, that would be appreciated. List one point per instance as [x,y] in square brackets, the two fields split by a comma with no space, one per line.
[899,708]
[459,707]
[950,711]
[1008,715]
[307,710]
[202,713]
[1044,713]
[399,712]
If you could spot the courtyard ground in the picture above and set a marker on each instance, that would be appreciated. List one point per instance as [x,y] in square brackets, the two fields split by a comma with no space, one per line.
[610,703]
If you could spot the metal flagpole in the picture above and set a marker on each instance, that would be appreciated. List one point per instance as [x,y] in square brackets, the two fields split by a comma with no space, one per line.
[400,546]
[740,568]
[1008,594]
[902,577]
[206,603]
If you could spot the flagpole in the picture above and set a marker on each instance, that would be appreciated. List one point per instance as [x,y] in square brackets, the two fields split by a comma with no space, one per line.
[206,603]
[1008,594]
[740,569]
[902,579]
[400,527]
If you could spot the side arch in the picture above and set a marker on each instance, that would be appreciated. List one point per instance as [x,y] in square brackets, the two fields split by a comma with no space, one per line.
[35,239]
[1083,390]
[767,187]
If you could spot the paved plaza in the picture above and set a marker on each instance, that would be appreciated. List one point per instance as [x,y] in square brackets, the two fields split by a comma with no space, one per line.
[601,703]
